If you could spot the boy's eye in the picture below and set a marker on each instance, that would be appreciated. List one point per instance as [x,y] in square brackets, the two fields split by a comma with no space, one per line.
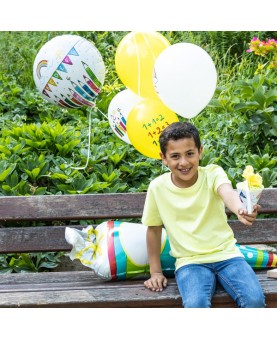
[190,153]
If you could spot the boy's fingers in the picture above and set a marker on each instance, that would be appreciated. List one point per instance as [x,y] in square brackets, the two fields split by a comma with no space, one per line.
[256,207]
[155,285]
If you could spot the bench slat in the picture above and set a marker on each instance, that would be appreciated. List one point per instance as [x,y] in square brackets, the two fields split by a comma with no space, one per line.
[67,291]
[90,206]
[71,207]
[51,238]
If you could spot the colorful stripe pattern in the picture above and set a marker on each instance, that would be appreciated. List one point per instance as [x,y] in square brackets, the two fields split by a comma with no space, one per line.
[118,123]
[121,267]
[257,258]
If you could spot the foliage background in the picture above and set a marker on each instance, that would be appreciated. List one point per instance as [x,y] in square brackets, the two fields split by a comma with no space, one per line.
[41,144]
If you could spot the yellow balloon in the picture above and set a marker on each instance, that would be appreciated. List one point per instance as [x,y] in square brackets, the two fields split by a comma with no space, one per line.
[135,58]
[145,122]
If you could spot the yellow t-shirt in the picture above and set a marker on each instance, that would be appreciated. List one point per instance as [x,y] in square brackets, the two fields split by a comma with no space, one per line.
[194,217]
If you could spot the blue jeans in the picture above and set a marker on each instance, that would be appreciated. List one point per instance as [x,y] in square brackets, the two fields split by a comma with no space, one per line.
[197,283]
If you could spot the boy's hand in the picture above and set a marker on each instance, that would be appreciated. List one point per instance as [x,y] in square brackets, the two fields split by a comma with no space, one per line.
[156,283]
[246,218]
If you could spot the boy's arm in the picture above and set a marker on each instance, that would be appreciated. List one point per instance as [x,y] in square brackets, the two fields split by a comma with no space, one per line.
[157,280]
[232,202]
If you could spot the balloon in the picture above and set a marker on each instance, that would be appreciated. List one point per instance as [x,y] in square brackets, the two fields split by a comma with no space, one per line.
[117,250]
[69,71]
[145,122]
[118,112]
[185,78]
[134,61]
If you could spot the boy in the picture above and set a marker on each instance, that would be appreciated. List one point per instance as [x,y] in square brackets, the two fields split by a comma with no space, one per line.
[189,202]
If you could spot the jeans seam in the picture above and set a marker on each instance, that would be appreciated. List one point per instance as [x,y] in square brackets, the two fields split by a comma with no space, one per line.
[212,288]
[233,289]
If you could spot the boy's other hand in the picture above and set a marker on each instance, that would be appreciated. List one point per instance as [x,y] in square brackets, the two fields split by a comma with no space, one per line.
[246,218]
[156,283]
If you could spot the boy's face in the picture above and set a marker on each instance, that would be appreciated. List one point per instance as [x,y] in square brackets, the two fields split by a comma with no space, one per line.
[182,157]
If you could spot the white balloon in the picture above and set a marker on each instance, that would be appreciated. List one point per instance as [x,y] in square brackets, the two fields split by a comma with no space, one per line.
[118,112]
[69,71]
[185,78]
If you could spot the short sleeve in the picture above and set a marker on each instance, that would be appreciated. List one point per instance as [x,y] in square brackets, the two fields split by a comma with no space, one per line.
[217,176]
[151,215]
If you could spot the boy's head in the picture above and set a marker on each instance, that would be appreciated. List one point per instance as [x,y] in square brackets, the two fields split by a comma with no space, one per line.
[181,152]
[179,130]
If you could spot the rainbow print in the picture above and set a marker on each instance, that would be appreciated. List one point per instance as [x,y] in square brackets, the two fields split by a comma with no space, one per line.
[41,64]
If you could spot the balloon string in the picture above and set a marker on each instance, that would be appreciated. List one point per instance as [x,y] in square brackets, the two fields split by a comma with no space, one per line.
[101,112]
[89,135]
[138,59]
[149,48]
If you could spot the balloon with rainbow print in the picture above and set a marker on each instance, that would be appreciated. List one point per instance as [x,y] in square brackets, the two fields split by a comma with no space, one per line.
[116,250]
[69,71]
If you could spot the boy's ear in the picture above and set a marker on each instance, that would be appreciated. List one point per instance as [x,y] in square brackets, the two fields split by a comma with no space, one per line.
[163,158]
[201,151]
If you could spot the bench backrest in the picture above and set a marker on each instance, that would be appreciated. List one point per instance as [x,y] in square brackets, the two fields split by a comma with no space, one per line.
[100,207]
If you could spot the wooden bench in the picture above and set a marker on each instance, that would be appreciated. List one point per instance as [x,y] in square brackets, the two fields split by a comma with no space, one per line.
[83,288]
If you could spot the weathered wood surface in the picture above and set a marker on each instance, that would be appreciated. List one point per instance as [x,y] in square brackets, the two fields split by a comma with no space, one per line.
[84,289]
[89,206]
[51,238]
[71,207]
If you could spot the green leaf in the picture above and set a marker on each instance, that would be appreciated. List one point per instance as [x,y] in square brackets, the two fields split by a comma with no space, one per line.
[271,96]
[6,172]
[259,96]
[5,150]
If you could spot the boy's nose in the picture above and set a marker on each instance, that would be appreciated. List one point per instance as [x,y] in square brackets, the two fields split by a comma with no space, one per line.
[183,161]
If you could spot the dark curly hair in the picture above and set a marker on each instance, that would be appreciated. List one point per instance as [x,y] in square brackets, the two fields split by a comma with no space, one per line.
[179,130]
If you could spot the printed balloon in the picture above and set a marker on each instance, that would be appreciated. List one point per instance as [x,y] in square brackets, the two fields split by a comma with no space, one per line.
[69,71]
[118,112]
[145,123]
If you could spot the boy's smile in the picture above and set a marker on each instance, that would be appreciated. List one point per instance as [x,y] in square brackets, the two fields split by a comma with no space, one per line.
[182,157]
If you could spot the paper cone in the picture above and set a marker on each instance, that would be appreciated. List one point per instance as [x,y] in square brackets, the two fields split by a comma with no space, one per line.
[117,250]
[248,197]
[258,259]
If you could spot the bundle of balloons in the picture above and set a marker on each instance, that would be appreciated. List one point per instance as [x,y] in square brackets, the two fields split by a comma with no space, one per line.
[162,82]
